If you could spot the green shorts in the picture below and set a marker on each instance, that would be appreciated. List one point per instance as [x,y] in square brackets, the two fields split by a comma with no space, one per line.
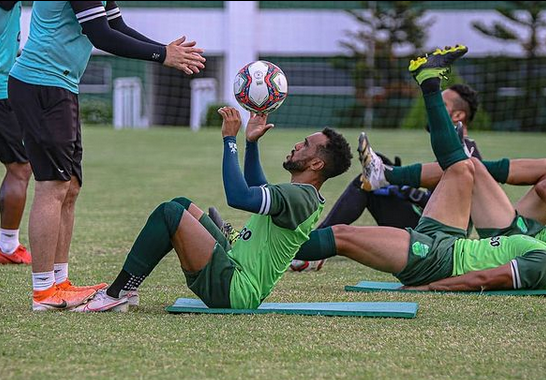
[212,283]
[519,226]
[430,254]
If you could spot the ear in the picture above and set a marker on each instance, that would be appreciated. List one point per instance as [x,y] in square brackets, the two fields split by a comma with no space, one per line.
[316,164]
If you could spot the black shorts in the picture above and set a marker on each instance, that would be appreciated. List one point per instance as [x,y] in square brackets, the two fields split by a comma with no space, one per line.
[12,149]
[51,127]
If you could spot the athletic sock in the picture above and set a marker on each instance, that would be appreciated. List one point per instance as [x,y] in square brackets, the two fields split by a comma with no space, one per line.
[443,137]
[42,280]
[9,240]
[61,272]
[152,244]
[499,170]
[409,175]
[321,245]
[124,281]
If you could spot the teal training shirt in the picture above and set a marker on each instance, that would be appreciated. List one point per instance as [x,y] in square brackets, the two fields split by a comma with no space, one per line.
[10,35]
[56,53]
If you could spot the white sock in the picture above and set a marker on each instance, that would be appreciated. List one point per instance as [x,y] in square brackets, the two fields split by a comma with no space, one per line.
[61,272]
[43,280]
[9,240]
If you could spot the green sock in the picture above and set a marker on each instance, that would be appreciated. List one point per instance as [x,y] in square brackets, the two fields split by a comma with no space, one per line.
[409,175]
[154,241]
[498,169]
[444,139]
[321,245]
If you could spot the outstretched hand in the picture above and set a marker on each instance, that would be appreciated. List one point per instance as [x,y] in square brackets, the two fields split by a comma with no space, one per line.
[257,127]
[184,56]
[231,121]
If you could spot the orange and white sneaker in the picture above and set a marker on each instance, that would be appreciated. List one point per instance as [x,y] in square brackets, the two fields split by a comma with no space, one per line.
[57,299]
[67,285]
[20,256]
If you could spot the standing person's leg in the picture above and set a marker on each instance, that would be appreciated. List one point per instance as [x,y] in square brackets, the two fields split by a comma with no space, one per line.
[13,191]
[47,116]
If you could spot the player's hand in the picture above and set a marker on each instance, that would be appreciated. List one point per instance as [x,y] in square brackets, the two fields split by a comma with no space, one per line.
[257,126]
[231,121]
[184,56]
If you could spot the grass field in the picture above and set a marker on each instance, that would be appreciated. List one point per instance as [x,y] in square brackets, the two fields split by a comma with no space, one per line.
[127,173]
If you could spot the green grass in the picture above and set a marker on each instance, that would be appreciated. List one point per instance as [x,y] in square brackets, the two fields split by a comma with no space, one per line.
[127,173]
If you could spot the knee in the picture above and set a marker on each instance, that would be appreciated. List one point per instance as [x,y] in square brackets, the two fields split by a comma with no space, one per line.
[72,194]
[21,172]
[465,170]
[171,212]
[540,188]
[185,202]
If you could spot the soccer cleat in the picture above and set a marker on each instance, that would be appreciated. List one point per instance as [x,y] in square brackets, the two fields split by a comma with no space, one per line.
[103,302]
[373,169]
[226,228]
[67,285]
[306,266]
[57,299]
[20,256]
[437,64]
[133,299]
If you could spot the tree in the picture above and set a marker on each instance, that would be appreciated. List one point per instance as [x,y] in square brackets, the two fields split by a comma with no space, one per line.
[389,33]
[528,15]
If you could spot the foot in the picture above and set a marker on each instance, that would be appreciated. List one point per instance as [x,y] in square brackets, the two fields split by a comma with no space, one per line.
[306,266]
[437,64]
[20,256]
[103,302]
[373,169]
[67,285]
[133,299]
[57,299]
[226,228]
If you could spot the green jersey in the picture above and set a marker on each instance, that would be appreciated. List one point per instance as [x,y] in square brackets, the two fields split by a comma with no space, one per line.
[526,255]
[269,241]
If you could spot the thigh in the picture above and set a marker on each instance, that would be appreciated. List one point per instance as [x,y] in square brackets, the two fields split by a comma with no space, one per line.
[49,119]
[532,206]
[450,202]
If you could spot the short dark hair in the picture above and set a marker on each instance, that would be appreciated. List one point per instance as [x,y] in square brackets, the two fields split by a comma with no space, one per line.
[336,154]
[470,98]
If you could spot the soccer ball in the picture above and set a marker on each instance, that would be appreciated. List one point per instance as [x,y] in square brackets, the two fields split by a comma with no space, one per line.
[306,266]
[260,87]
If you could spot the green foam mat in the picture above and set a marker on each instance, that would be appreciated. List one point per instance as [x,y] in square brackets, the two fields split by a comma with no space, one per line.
[371,286]
[341,309]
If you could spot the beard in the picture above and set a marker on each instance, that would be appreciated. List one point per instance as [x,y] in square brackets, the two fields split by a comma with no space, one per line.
[294,166]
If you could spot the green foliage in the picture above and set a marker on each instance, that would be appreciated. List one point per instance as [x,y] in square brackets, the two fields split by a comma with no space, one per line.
[213,118]
[379,74]
[531,16]
[416,117]
[94,111]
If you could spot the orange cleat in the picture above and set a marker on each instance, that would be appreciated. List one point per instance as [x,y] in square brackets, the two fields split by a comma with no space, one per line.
[57,299]
[20,256]
[67,286]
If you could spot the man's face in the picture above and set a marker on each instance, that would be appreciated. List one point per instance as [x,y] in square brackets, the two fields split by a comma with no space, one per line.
[305,153]
[451,99]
